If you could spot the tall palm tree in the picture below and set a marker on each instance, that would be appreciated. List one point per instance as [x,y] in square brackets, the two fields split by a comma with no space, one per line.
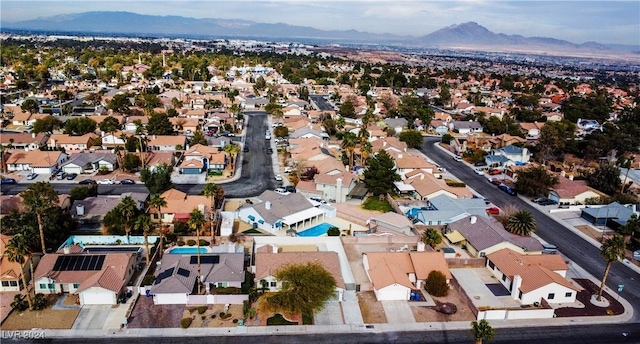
[40,197]
[143,224]
[349,141]
[521,223]
[17,251]
[128,210]
[232,149]
[611,250]
[157,201]
[195,222]
[481,330]
[216,194]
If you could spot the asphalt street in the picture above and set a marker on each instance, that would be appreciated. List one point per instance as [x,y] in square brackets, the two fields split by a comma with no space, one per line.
[571,245]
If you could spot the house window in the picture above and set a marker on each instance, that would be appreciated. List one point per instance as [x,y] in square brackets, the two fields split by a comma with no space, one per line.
[569,294]
[520,295]
[13,283]
[76,285]
[491,265]
[5,283]
[222,284]
[43,286]
[272,284]
[551,296]
[251,217]
[51,286]
[504,277]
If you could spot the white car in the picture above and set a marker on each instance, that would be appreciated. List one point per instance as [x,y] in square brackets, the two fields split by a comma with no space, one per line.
[479,171]
[288,170]
[106,182]
[457,158]
[278,177]
[32,176]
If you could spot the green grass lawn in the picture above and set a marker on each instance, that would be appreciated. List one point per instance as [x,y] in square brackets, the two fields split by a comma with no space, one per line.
[373,203]
[278,319]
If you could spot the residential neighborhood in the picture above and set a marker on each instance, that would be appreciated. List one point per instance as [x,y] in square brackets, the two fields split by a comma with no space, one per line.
[263,191]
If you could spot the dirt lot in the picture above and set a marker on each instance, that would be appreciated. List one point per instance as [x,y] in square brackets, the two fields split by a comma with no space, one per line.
[371,309]
[211,317]
[429,314]
[147,315]
[47,318]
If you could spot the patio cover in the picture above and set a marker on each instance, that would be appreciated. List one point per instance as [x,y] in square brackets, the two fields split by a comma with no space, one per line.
[402,187]
[301,216]
[358,191]
[454,237]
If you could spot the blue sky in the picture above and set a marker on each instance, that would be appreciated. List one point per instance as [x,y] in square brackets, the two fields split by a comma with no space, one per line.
[577,21]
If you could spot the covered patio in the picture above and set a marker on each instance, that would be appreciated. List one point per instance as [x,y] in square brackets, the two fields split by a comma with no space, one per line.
[303,219]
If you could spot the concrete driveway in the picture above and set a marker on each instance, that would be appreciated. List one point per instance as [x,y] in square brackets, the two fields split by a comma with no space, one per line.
[331,314]
[92,317]
[398,312]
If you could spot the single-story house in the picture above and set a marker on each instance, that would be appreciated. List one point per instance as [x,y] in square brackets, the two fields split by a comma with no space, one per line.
[166,142]
[397,124]
[177,277]
[569,191]
[442,209]
[484,236]
[179,206]
[23,141]
[36,161]
[98,279]
[531,278]
[466,127]
[93,209]
[275,212]
[395,274]
[391,222]
[613,214]
[89,162]
[513,153]
[71,143]
[267,262]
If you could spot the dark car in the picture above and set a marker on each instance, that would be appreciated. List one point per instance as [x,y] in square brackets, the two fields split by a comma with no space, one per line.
[8,181]
[547,202]
[495,181]
[86,181]
[127,181]
[245,149]
[480,163]
[71,176]
[290,188]
[269,150]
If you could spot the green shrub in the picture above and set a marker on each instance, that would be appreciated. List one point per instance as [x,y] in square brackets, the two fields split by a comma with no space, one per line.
[437,284]
[180,243]
[203,242]
[39,302]
[203,317]
[228,290]
[454,184]
[213,316]
[20,303]
[148,280]
[333,231]
[185,322]
[224,315]
[235,321]
[191,242]
[202,309]
[170,237]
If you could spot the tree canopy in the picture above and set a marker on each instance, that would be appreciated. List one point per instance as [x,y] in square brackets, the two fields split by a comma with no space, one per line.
[380,173]
[79,126]
[606,178]
[46,125]
[412,138]
[521,223]
[535,180]
[159,180]
[110,124]
[304,288]
[159,124]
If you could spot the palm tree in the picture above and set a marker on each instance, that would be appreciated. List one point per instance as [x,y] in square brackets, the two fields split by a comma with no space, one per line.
[232,149]
[17,251]
[521,223]
[481,330]
[216,194]
[38,198]
[195,222]
[128,209]
[611,250]
[143,224]
[631,227]
[349,144]
[156,201]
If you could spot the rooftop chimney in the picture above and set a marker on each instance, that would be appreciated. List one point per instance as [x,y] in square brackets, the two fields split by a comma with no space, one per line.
[474,219]
[267,205]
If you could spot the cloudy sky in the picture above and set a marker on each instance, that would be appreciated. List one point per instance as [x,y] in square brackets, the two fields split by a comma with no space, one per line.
[577,21]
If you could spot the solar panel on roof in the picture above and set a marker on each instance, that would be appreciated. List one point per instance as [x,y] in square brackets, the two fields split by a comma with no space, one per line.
[85,264]
[183,272]
[163,275]
[78,262]
[92,262]
[100,262]
[205,259]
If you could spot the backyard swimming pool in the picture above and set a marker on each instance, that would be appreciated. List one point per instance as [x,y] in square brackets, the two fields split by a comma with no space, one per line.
[187,250]
[316,230]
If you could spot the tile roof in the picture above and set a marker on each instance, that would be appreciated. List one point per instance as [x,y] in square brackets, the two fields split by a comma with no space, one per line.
[387,268]
[567,188]
[35,158]
[536,270]
[61,139]
[268,263]
[8,270]
[22,138]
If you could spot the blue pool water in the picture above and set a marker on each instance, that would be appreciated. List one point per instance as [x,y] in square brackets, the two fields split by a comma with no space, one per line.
[316,230]
[187,250]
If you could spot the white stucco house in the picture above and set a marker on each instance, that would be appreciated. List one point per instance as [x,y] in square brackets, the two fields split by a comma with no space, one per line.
[531,278]
[513,153]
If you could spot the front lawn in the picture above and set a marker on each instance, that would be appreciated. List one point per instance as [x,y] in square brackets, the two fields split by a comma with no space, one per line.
[374,203]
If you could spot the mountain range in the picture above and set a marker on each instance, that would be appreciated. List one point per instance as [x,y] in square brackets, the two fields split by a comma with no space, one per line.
[467,35]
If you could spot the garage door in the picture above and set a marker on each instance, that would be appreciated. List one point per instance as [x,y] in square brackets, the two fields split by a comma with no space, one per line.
[72,169]
[97,298]
[42,170]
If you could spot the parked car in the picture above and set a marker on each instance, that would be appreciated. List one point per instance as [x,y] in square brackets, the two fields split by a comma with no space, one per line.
[106,181]
[547,202]
[61,175]
[538,199]
[278,177]
[127,181]
[71,176]
[86,181]
[508,190]
[495,181]
[318,199]
[493,211]
[290,188]
[281,191]
[32,176]
[8,181]
[245,149]
[288,170]
[549,249]
[480,163]
[479,171]
[457,158]
[269,150]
